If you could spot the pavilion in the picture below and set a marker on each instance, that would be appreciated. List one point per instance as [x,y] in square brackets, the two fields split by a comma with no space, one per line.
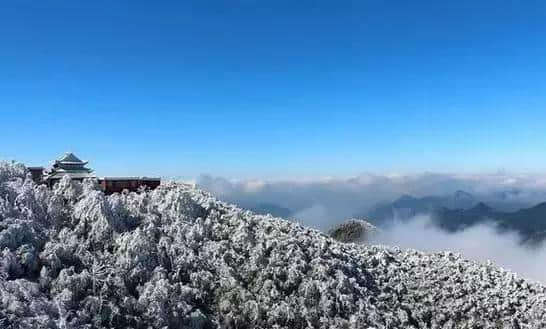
[70,165]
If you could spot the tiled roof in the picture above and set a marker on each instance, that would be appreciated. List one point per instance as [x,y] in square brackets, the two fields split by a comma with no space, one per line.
[70,158]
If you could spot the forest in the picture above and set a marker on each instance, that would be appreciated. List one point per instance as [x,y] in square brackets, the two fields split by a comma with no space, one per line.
[176,257]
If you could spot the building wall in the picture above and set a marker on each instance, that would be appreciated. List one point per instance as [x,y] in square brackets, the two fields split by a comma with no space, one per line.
[112,185]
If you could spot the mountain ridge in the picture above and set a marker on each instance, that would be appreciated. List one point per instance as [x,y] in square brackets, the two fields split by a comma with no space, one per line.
[529,223]
[407,206]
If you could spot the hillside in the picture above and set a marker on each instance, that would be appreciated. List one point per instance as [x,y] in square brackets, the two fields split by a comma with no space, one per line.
[176,257]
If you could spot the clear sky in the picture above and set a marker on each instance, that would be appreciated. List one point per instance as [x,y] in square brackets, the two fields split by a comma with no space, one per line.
[275,88]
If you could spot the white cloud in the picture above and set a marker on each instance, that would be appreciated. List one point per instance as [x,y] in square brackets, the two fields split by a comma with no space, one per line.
[341,198]
[322,203]
[480,242]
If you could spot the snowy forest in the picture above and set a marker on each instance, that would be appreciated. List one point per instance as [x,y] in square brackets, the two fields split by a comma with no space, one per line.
[176,257]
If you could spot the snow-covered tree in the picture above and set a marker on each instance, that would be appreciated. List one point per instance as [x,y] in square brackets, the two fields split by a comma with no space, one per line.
[175,257]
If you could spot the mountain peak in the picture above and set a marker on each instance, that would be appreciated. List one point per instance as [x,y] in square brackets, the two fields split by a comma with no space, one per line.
[540,206]
[481,207]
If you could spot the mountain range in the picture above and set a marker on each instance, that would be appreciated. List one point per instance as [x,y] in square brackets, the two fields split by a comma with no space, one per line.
[452,212]
[461,210]
[530,223]
[408,206]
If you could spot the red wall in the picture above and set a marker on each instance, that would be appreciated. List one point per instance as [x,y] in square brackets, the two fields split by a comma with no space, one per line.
[110,186]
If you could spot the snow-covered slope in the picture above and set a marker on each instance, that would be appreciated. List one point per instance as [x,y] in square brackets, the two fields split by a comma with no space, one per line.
[177,258]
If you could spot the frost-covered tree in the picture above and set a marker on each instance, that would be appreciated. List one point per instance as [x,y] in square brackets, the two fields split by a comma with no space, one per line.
[175,257]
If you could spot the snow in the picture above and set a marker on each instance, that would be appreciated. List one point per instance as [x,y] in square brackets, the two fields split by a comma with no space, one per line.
[176,257]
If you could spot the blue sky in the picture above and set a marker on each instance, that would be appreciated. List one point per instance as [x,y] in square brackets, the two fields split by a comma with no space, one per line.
[275,88]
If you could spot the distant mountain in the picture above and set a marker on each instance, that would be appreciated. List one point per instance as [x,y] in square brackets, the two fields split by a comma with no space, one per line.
[530,223]
[460,200]
[458,219]
[408,206]
[461,210]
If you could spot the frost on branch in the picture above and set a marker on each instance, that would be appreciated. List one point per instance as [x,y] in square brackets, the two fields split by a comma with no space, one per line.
[175,257]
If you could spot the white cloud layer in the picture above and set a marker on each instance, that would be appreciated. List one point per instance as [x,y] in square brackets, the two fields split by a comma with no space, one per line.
[340,198]
[323,203]
[480,242]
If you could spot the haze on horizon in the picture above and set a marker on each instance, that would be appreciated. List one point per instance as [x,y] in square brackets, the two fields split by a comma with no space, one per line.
[275,89]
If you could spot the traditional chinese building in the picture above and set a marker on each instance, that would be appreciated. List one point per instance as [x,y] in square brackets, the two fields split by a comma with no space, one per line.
[71,166]
[68,165]
[117,184]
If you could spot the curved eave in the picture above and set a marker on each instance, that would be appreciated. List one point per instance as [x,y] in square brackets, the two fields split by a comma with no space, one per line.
[71,175]
[82,163]
[72,171]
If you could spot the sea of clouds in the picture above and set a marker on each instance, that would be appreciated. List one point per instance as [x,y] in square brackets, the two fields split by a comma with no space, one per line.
[481,242]
[323,203]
